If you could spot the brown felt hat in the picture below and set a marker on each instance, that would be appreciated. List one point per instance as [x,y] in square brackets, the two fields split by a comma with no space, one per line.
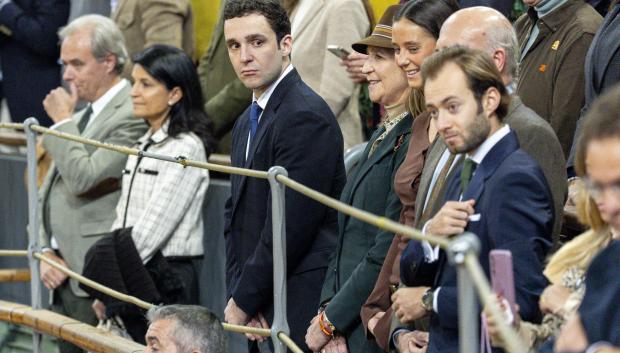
[381,36]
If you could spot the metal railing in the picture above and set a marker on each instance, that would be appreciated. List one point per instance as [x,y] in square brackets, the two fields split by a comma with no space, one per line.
[462,250]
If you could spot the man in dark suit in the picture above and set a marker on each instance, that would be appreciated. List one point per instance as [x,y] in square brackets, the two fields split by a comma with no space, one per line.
[287,125]
[498,192]
[29,54]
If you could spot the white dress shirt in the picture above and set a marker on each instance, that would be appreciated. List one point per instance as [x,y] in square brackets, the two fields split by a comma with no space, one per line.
[264,99]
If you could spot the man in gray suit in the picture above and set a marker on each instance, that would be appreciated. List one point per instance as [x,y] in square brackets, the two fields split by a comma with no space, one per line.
[485,29]
[81,189]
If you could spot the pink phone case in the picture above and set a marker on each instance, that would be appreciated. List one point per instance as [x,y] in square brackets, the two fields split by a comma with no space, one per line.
[502,276]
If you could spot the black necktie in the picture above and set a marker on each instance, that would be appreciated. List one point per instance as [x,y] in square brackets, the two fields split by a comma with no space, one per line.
[469,167]
[85,118]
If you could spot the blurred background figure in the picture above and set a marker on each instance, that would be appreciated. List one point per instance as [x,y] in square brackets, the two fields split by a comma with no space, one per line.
[224,94]
[315,24]
[29,54]
[148,22]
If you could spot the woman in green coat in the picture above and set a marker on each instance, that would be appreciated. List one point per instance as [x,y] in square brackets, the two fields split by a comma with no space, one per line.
[361,247]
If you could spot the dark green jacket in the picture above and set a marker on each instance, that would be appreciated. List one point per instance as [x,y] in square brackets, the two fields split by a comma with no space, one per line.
[225,95]
[362,247]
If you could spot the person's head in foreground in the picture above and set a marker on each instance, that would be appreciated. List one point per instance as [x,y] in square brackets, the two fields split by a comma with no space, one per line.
[598,156]
[184,329]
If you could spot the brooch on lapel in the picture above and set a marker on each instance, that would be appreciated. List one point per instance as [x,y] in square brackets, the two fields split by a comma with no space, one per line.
[399,142]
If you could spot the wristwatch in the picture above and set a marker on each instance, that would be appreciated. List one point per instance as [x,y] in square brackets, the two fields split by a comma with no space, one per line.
[427,299]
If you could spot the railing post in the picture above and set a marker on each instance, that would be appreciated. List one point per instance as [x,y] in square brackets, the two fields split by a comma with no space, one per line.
[469,315]
[33,221]
[280,324]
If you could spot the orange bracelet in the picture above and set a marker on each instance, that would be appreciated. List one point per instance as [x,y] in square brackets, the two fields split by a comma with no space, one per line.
[324,329]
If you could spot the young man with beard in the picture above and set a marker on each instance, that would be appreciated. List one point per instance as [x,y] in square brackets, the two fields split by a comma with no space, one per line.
[499,192]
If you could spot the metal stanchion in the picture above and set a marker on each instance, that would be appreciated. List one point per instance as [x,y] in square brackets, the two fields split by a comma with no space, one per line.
[280,324]
[33,228]
[468,303]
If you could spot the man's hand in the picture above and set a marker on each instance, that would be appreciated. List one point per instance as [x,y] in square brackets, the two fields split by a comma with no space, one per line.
[50,276]
[451,219]
[372,323]
[412,342]
[572,337]
[407,303]
[553,298]
[336,345]
[234,314]
[354,63]
[99,309]
[315,338]
[60,104]
[260,322]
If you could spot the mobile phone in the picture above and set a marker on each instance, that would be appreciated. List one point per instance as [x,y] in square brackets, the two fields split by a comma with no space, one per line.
[340,52]
[502,276]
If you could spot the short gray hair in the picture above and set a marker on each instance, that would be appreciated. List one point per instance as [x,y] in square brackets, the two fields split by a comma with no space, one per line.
[106,38]
[195,327]
[504,36]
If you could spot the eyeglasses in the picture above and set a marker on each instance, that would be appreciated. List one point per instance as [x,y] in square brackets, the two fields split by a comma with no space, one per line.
[597,190]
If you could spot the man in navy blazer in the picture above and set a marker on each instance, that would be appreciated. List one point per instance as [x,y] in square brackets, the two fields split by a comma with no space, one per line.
[287,125]
[498,192]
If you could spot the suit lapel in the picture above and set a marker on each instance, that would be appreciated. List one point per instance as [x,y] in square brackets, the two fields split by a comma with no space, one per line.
[238,155]
[403,128]
[308,17]
[108,111]
[270,113]
[507,145]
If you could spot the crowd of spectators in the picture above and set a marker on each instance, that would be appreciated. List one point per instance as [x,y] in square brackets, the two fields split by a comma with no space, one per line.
[485,125]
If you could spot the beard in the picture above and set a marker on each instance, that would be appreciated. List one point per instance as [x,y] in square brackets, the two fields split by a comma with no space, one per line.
[477,133]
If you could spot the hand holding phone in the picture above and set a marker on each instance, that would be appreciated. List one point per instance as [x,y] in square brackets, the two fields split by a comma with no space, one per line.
[340,52]
[502,277]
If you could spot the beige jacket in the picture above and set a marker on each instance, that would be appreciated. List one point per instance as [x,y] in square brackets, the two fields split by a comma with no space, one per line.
[327,22]
[148,22]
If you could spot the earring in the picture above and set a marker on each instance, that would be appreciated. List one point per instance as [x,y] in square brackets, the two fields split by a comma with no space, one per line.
[170,103]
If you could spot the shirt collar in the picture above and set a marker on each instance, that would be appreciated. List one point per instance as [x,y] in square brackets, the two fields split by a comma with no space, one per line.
[264,98]
[488,144]
[157,136]
[560,14]
[100,103]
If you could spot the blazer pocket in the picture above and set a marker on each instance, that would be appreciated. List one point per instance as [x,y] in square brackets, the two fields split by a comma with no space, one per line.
[91,229]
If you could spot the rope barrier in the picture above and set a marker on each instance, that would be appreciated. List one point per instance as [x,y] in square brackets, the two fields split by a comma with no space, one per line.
[477,275]
[380,222]
[135,152]
[16,253]
[512,341]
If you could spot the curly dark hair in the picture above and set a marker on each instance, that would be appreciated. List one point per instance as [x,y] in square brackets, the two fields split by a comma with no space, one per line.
[173,68]
[272,10]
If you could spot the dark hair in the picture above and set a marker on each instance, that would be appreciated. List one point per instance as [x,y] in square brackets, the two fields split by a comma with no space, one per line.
[428,14]
[272,10]
[478,67]
[195,328]
[601,122]
[173,68]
